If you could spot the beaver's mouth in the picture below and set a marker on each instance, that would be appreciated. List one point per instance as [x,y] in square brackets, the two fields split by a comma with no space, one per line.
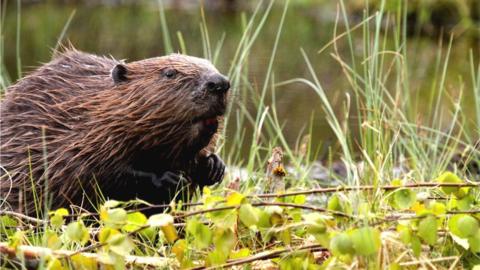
[209,121]
[210,118]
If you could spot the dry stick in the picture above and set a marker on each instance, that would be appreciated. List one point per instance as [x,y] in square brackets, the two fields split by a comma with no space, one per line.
[263,256]
[22,216]
[431,261]
[366,187]
[33,252]
[301,206]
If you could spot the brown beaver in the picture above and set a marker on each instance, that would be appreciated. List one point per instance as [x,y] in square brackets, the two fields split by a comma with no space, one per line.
[83,123]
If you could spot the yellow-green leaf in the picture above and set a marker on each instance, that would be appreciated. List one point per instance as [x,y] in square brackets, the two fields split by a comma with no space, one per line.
[135,220]
[170,232]
[366,241]
[241,253]
[427,229]
[201,233]
[179,249]
[77,232]
[449,177]
[467,226]
[115,218]
[248,215]
[404,198]
[235,198]
[342,244]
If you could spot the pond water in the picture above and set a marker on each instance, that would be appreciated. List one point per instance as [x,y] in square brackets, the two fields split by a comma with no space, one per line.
[134,31]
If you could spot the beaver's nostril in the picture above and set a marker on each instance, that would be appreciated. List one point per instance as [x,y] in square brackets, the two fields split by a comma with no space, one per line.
[210,85]
[217,84]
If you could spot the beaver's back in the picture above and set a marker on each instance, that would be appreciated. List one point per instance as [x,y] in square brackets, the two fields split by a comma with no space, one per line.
[47,108]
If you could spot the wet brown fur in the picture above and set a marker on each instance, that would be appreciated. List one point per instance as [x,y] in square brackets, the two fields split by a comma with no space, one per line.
[70,117]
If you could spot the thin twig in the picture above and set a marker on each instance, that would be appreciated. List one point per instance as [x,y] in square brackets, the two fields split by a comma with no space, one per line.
[22,216]
[366,187]
[427,261]
[33,252]
[263,256]
[301,206]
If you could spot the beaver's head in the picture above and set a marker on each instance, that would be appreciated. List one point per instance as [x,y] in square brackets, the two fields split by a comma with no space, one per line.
[174,100]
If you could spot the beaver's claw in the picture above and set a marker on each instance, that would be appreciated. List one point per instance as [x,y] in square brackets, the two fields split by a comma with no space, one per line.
[170,180]
[167,180]
[210,170]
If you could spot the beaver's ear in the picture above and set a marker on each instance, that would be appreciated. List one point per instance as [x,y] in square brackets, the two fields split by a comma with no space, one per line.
[119,73]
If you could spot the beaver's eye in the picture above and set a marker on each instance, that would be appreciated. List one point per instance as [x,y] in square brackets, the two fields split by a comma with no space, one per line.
[170,73]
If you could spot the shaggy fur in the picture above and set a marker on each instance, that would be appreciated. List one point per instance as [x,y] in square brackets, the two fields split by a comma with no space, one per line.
[70,126]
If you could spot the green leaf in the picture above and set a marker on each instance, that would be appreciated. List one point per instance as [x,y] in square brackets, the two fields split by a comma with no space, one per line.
[121,245]
[427,229]
[299,199]
[82,262]
[439,209]
[116,242]
[77,232]
[114,218]
[241,253]
[404,233]
[276,215]
[16,239]
[235,198]
[404,198]
[263,219]
[474,242]
[170,232]
[248,215]
[366,241]
[201,233]
[7,225]
[467,226]
[335,203]
[224,219]
[52,240]
[56,219]
[106,234]
[54,264]
[216,257]
[135,220]
[449,177]
[453,224]
[224,240]
[416,246]
[465,204]
[179,249]
[315,223]
[342,244]
[463,225]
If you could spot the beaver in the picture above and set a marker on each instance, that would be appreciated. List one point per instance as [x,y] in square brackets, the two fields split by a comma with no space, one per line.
[84,125]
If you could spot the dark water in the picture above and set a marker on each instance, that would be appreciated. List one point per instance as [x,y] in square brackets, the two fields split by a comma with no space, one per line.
[134,32]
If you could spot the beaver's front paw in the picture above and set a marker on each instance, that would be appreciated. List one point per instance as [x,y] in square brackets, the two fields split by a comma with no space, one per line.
[210,170]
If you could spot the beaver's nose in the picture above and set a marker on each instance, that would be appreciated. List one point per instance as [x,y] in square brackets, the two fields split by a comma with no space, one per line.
[217,83]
